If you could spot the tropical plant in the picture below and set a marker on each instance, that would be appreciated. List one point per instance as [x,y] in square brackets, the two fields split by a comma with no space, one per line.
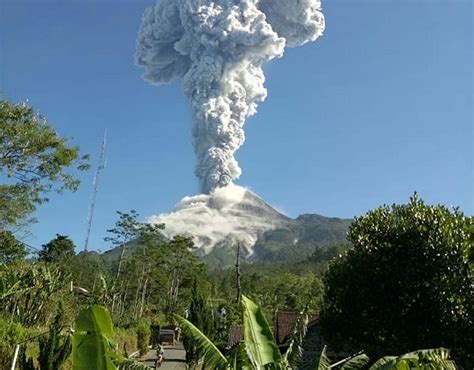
[11,333]
[405,284]
[94,343]
[54,348]
[28,291]
[203,316]
[423,359]
[259,350]
[143,336]
[93,340]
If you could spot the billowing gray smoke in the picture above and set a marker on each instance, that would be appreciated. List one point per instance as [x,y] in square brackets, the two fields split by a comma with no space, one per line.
[218,47]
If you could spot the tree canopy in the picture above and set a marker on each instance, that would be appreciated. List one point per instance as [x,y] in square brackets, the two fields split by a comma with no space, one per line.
[406,284]
[10,248]
[34,160]
[60,249]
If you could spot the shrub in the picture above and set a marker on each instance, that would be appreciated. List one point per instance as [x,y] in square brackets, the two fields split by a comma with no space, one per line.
[126,341]
[143,337]
[11,333]
[405,285]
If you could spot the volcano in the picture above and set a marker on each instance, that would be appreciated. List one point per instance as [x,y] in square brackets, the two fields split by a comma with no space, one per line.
[233,215]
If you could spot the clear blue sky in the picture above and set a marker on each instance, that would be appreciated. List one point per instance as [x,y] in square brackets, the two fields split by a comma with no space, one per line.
[379,107]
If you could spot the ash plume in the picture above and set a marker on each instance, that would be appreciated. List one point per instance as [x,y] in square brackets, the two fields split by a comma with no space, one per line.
[217,48]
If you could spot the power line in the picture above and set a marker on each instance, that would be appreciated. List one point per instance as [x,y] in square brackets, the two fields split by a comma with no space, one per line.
[100,167]
[29,246]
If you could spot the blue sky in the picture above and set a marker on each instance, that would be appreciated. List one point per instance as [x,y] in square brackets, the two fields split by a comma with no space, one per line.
[379,107]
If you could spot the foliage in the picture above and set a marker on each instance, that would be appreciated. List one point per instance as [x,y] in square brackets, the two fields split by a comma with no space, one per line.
[11,250]
[143,337]
[60,249]
[87,271]
[274,286]
[155,276]
[28,291]
[54,349]
[126,340]
[213,358]
[406,284]
[323,362]
[93,340]
[144,236]
[295,351]
[204,317]
[11,333]
[259,342]
[260,349]
[93,343]
[33,161]
[424,359]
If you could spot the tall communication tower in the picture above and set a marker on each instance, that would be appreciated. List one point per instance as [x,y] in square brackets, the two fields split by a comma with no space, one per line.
[100,167]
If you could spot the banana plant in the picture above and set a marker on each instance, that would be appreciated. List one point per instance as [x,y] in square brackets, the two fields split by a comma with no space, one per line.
[423,359]
[259,350]
[93,345]
[437,358]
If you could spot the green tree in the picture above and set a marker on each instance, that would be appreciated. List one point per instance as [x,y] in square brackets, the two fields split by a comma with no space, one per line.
[34,160]
[130,233]
[206,319]
[60,249]
[406,284]
[11,250]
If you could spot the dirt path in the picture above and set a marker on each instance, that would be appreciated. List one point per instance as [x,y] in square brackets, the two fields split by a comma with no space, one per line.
[174,358]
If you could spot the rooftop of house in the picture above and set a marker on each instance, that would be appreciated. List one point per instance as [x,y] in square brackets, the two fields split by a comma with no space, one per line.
[284,324]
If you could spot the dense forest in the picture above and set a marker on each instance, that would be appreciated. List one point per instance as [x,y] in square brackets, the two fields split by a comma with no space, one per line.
[403,282]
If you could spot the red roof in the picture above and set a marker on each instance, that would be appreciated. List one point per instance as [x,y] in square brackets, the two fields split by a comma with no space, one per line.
[236,334]
[285,322]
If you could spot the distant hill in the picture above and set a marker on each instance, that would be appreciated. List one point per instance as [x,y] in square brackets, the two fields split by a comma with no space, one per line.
[293,241]
[298,239]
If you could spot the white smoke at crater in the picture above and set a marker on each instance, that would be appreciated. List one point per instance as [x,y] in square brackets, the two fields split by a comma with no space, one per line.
[224,217]
[217,48]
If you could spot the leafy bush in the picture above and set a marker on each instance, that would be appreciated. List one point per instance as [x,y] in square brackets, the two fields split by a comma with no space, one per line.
[405,285]
[126,340]
[11,333]
[143,336]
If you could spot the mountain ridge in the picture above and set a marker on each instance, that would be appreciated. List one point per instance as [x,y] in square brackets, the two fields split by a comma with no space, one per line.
[219,221]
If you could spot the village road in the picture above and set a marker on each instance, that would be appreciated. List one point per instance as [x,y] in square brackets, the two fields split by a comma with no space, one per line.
[174,358]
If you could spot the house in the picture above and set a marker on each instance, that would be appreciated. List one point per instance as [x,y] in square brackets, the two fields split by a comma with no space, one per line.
[284,324]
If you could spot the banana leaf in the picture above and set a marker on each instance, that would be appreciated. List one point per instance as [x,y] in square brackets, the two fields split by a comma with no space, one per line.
[259,341]
[213,358]
[93,347]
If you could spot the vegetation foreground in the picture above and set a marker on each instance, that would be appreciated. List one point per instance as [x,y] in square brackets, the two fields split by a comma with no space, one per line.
[403,282]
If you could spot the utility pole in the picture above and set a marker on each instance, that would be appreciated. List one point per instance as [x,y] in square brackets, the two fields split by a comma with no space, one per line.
[237,272]
[100,167]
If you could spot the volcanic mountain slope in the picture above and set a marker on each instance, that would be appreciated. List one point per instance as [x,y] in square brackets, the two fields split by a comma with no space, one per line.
[219,221]
[231,215]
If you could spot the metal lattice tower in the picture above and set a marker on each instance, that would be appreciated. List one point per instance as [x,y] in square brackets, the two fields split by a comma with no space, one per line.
[100,167]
